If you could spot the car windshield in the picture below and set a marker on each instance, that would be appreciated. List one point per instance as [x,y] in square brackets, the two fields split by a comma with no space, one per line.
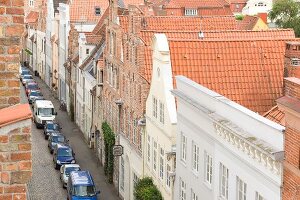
[84,190]
[53,127]
[33,87]
[64,152]
[35,93]
[58,138]
[25,72]
[45,111]
[27,77]
[71,169]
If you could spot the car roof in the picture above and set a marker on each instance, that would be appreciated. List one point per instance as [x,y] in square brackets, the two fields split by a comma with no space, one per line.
[81,178]
[44,103]
[51,122]
[31,83]
[57,134]
[27,75]
[71,165]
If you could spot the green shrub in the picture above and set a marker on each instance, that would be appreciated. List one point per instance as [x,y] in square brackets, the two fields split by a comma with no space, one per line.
[146,190]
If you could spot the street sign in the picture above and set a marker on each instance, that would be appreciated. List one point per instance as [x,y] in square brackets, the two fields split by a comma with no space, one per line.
[118,150]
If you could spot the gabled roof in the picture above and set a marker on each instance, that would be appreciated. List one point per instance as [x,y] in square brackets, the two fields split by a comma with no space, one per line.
[248,22]
[14,114]
[84,11]
[276,115]
[32,17]
[171,23]
[247,72]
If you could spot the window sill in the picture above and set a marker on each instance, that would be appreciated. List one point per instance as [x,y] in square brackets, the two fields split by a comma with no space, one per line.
[209,186]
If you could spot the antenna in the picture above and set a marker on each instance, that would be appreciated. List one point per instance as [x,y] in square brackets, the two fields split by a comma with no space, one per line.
[201,33]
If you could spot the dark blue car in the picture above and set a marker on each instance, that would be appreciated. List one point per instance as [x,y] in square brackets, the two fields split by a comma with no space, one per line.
[81,186]
[63,154]
[56,138]
[50,127]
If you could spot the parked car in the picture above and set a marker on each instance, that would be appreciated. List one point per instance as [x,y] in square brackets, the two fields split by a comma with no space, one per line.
[63,154]
[24,71]
[81,186]
[50,127]
[65,171]
[43,110]
[31,86]
[36,99]
[54,139]
[27,78]
[33,95]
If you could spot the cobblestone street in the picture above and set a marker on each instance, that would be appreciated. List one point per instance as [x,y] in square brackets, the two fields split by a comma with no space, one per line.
[45,182]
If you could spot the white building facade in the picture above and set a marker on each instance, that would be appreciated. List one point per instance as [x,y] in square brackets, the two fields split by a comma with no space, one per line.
[161,120]
[224,151]
[253,7]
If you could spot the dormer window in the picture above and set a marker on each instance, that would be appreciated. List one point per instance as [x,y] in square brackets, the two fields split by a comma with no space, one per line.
[260,4]
[295,62]
[190,12]
[97,11]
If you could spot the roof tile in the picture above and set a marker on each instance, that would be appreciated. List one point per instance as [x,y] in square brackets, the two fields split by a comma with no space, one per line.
[14,114]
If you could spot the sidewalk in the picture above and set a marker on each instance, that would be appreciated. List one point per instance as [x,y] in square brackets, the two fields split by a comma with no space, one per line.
[85,156]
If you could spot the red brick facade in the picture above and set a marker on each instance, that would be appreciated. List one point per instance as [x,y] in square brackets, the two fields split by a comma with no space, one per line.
[11,29]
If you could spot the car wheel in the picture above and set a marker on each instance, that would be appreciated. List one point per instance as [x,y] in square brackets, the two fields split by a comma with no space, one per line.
[56,166]
[46,138]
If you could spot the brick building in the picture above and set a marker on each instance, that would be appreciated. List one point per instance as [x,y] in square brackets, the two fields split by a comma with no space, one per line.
[15,120]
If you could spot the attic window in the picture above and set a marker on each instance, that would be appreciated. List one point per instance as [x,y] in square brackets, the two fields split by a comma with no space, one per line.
[260,4]
[295,62]
[97,11]
[190,12]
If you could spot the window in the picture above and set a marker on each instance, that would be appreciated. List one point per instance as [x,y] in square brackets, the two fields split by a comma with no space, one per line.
[97,11]
[87,51]
[190,12]
[154,106]
[154,155]
[237,6]
[161,164]
[168,179]
[31,3]
[149,149]
[195,154]
[161,112]
[224,174]
[135,179]
[208,168]
[295,62]
[122,174]
[182,190]
[258,196]
[183,147]
[134,133]
[194,196]
[241,189]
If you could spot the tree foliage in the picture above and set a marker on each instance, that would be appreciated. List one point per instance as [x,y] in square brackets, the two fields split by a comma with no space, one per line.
[146,190]
[109,141]
[286,14]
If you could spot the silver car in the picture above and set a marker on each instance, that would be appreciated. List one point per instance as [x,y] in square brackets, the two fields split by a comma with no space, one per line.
[65,171]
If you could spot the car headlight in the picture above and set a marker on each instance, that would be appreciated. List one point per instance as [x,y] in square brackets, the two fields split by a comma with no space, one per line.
[73,161]
[58,162]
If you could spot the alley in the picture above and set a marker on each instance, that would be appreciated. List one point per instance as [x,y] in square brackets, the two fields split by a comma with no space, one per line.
[45,183]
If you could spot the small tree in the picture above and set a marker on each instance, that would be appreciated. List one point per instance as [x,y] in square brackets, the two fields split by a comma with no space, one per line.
[146,190]
[286,14]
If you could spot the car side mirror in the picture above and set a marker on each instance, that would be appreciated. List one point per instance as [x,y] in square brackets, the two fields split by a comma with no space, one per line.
[98,192]
[35,113]
[55,113]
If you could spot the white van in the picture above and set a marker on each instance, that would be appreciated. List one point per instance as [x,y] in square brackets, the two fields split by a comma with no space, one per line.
[43,110]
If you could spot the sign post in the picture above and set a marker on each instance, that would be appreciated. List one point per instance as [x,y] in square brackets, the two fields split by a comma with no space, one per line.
[117,150]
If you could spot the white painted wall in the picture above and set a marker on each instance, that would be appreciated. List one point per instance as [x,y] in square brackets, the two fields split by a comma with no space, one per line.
[40,54]
[203,116]
[253,7]
[162,133]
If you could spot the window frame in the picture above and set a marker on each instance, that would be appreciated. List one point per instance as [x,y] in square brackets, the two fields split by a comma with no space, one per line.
[208,168]
[223,169]
[243,192]
[183,148]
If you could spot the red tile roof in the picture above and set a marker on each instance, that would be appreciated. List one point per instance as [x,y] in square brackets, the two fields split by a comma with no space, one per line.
[92,39]
[248,72]
[196,4]
[14,114]
[100,27]
[248,22]
[84,11]
[276,115]
[32,17]
[171,23]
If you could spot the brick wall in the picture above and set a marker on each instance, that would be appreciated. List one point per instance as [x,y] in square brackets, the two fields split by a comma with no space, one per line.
[292,51]
[15,160]
[291,177]
[11,29]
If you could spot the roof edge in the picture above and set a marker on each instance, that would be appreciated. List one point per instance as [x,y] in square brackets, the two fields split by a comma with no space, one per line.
[14,114]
